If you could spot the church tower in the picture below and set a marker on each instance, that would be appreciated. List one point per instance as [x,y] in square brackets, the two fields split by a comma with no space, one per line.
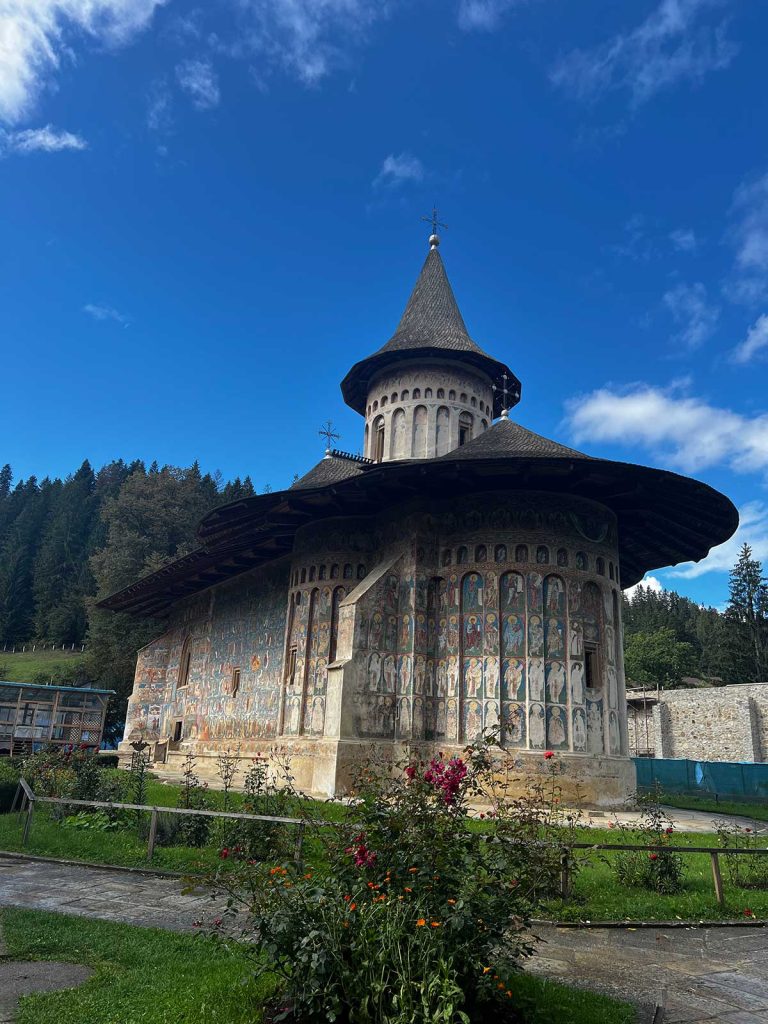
[431,388]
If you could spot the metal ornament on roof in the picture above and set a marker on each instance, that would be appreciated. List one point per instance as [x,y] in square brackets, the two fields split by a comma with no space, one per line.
[505,391]
[434,238]
[330,436]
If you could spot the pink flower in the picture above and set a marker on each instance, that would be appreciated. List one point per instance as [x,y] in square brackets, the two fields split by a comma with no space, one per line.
[410,772]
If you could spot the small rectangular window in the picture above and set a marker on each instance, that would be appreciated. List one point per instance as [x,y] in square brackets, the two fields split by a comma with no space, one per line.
[178,728]
[235,681]
[591,668]
[292,666]
[379,445]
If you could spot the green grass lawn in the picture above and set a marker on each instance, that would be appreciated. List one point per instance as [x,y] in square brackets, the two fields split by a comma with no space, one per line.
[756,811]
[22,668]
[147,976]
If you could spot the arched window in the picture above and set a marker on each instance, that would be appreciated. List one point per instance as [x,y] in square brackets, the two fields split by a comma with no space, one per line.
[377,448]
[405,395]
[334,572]
[542,555]
[428,392]
[463,397]
[361,571]
[442,430]
[298,597]
[441,392]
[398,435]
[600,566]
[473,401]
[311,574]
[376,405]
[348,571]
[481,553]
[562,557]
[451,395]
[465,428]
[419,447]
[303,575]
[185,664]
[610,569]
[336,600]
[416,393]
[394,396]
[581,561]
[461,556]
[446,559]
[500,553]
[321,573]
[384,401]
[521,553]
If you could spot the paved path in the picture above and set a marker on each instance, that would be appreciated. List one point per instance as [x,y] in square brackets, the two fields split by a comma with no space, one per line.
[714,974]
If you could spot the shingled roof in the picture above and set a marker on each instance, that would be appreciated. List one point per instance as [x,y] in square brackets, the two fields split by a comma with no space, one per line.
[432,324]
[333,468]
[506,439]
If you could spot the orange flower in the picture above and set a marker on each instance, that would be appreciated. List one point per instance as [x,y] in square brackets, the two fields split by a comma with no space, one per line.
[487,969]
[412,871]
[509,994]
[407,889]
[501,985]
[347,899]
[420,923]
[346,924]
[308,875]
[452,902]
[434,924]
[353,906]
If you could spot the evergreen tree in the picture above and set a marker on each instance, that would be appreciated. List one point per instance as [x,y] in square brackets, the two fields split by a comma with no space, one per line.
[748,612]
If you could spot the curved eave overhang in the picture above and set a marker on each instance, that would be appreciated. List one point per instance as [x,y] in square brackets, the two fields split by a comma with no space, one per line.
[663,518]
[356,384]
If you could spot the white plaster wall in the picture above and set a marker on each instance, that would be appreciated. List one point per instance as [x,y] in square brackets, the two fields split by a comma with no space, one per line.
[421,407]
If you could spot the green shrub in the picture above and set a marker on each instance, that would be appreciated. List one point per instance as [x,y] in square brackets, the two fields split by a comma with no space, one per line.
[411,914]
[108,760]
[659,870]
[745,871]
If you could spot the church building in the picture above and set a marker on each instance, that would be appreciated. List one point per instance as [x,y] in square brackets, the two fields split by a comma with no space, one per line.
[463,574]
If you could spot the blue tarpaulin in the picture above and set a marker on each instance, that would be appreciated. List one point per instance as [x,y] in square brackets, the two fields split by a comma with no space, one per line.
[704,778]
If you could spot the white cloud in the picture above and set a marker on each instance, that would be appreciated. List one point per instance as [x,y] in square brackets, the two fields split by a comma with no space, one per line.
[399,169]
[649,583]
[199,80]
[159,117]
[755,341]
[36,35]
[692,312]
[686,433]
[753,530]
[683,240]
[307,38]
[749,232]
[100,312]
[671,45]
[35,140]
[484,15]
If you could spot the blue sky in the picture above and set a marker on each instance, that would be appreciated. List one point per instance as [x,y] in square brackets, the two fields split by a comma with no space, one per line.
[210,211]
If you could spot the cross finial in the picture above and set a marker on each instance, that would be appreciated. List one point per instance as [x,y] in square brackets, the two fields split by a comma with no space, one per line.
[434,238]
[505,393]
[330,436]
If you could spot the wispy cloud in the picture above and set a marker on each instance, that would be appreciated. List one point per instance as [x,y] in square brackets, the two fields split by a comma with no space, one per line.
[159,104]
[306,38]
[749,232]
[36,36]
[396,170]
[696,317]
[101,312]
[199,80]
[673,44]
[753,530]
[683,432]
[683,240]
[39,140]
[484,15]
[756,341]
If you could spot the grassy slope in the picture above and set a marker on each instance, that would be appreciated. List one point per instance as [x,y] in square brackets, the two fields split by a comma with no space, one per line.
[145,976]
[22,668]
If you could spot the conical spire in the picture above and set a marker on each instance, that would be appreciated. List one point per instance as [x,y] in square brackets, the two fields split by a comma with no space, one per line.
[432,318]
[431,326]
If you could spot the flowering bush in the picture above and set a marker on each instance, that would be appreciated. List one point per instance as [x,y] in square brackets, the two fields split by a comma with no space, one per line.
[747,871]
[660,870]
[409,910]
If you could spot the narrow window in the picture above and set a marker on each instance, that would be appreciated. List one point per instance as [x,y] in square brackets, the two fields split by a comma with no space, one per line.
[338,596]
[417,392]
[451,396]
[348,571]
[521,553]
[235,681]
[378,440]
[461,556]
[600,565]
[446,560]
[303,575]
[562,557]
[311,573]
[321,573]
[473,402]
[463,397]
[591,668]
[361,572]
[441,392]
[184,665]
[334,572]
[465,428]
[178,730]
[292,657]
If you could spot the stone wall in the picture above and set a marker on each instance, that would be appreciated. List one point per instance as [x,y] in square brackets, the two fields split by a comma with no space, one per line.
[725,723]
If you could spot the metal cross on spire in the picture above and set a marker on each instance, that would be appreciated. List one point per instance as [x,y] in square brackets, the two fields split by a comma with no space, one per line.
[434,238]
[330,436]
[505,393]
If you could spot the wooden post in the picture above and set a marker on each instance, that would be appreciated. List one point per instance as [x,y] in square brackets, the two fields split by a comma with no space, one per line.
[565,874]
[717,878]
[28,822]
[299,842]
[152,834]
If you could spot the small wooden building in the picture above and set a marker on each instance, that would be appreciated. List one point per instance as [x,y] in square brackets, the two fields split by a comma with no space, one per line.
[33,717]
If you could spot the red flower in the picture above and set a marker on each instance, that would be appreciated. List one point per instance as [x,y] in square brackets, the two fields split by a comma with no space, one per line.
[748,912]
[669,831]
[410,771]
[224,853]
[653,856]
[548,754]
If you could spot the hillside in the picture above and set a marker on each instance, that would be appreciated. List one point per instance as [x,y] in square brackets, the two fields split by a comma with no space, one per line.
[31,667]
